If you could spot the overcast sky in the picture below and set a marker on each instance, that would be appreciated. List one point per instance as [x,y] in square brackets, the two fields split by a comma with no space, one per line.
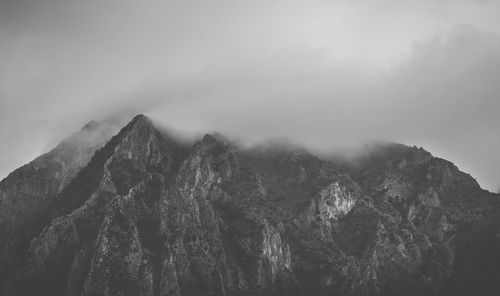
[324,73]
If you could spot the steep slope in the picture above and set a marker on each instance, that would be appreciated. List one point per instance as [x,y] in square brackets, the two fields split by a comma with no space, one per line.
[26,192]
[149,216]
[76,212]
[446,207]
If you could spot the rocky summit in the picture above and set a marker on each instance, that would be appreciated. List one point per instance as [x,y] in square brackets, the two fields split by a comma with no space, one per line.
[141,213]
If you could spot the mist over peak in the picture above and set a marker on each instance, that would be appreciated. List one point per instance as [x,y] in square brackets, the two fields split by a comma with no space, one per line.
[327,75]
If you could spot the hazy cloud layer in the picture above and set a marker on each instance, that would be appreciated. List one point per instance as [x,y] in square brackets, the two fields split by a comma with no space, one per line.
[325,73]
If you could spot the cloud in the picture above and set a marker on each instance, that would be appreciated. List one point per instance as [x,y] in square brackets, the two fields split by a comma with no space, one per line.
[444,97]
[326,74]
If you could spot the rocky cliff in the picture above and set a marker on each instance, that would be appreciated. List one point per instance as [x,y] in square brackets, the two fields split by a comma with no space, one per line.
[142,214]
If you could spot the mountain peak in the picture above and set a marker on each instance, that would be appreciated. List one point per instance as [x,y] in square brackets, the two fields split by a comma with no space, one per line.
[215,138]
[141,119]
[140,127]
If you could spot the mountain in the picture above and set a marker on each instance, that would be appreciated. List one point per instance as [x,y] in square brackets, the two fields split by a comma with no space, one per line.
[141,213]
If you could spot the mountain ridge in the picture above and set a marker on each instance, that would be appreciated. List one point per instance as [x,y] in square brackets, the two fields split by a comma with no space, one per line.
[148,215]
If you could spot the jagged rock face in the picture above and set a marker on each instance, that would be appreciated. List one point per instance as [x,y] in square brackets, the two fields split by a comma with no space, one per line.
[148,216]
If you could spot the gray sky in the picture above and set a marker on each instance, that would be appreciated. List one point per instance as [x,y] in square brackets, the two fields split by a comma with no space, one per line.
[324,73]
